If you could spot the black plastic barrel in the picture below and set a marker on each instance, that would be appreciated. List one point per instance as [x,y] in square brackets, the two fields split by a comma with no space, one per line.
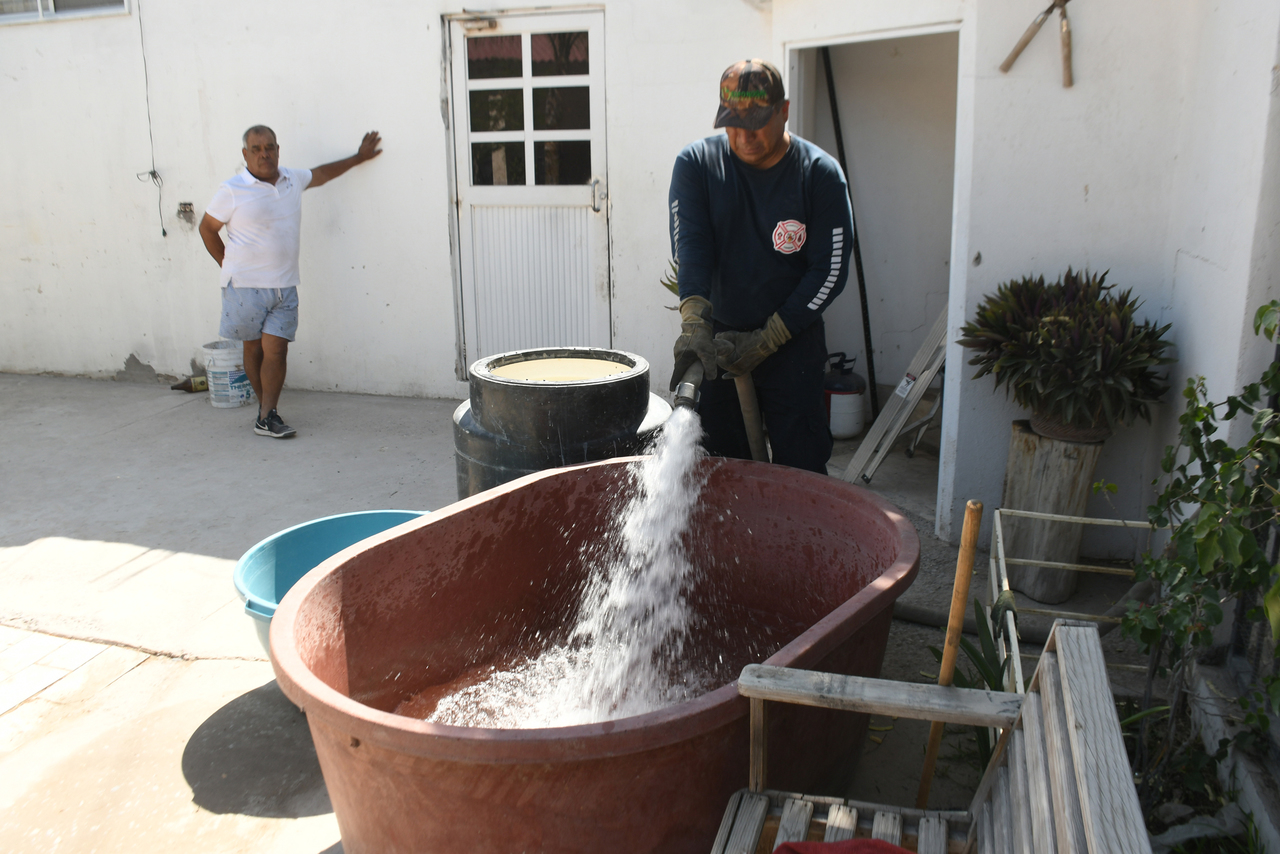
[514,426]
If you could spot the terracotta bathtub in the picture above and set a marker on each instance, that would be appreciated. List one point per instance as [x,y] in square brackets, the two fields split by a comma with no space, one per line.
[811,561]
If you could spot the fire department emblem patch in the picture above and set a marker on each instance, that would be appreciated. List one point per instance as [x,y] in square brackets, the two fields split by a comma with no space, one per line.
[788,237]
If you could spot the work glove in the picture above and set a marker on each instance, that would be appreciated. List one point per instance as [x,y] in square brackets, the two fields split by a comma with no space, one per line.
[1004,604]
[695,342]
[738,353]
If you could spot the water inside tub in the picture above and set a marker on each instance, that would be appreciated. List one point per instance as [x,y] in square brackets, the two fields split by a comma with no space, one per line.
[626,654]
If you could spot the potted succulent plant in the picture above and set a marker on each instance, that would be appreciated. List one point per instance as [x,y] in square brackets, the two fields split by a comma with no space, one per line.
[1073,354]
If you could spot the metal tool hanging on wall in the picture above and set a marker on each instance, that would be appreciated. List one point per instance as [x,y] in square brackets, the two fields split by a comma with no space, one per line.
[1063,24]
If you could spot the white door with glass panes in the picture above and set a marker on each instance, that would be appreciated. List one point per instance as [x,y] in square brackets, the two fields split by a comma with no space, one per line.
[528,124]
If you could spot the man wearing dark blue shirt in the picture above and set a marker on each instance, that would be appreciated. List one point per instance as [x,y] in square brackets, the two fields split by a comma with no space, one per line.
[761,230]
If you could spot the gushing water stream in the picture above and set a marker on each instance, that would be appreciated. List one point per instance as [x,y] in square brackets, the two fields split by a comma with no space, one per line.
[625,655]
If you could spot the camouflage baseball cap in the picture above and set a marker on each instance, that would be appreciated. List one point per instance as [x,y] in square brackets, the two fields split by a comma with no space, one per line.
[750,92]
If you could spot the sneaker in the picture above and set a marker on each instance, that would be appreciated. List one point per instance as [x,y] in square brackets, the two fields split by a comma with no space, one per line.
[273,425]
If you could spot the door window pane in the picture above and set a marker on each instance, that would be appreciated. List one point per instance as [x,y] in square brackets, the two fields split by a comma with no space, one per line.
[558,53]
[497,163]
[73,5]
[562,162]
[497,109]
[493,56]
[562,108]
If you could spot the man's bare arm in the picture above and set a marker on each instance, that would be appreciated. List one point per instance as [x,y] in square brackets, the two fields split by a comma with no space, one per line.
[209,228]
[368,150]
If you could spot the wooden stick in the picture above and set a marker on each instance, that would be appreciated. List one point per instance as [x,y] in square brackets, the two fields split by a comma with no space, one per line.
[975,706]
[751,416]
[955,626]
[1067,78]
[1025,40]
[759,732]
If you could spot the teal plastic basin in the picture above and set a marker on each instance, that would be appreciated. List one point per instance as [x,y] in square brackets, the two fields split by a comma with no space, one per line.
[267,571]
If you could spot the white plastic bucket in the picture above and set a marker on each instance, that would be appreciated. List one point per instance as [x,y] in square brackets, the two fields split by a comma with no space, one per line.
[846,414]
[228,383]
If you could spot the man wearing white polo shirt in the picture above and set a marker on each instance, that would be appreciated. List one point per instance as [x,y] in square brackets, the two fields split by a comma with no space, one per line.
[262,211]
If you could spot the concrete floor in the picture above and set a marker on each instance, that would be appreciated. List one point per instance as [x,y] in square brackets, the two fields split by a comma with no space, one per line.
[137,710]
[123,508]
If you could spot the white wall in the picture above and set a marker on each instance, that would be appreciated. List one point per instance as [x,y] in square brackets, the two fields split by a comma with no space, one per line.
[87,280]
[1264,276]
[1060,177]
[1160,165]
[1151,166]
[74,221]
[1222,217]
[102,283]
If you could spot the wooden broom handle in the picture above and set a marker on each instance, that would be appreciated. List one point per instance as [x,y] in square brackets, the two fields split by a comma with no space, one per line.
[960,593]
[955,627]
[751,416]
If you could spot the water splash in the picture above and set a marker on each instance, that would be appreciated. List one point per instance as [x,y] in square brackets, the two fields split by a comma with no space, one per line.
[625,655]
[636,615]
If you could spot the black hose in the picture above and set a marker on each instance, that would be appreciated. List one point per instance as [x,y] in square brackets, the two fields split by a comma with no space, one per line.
[936,618]
[857,248]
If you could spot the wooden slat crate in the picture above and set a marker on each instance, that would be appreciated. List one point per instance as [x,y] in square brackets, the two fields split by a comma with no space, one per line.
[1058,782]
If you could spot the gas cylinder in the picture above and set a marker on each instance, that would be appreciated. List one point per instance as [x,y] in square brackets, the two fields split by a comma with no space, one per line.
[846,396]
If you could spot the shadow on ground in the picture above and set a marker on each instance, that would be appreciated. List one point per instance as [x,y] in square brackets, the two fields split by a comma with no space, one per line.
[254,756]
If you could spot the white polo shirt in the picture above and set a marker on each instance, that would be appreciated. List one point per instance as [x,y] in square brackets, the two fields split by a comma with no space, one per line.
[264,226]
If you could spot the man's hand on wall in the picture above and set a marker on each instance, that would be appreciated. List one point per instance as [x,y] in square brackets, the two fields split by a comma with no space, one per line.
[369,146]
[321,175]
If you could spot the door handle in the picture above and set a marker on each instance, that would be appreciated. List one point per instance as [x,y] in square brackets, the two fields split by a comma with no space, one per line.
[598,194]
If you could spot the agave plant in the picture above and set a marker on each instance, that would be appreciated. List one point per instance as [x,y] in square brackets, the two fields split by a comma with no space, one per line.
[1070,351]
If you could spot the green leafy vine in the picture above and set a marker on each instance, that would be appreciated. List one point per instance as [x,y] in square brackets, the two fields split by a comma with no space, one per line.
[1222,503]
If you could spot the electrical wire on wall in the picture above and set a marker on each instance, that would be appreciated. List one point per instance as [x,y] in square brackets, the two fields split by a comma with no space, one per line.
[151,175]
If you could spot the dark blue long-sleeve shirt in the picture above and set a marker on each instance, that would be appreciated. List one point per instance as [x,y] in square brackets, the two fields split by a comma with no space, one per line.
[755,241]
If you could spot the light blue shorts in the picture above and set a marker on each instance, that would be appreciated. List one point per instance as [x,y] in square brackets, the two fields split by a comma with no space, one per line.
[249,312]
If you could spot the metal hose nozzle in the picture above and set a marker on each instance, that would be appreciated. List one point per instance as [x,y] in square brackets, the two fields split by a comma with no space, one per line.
[687,389]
